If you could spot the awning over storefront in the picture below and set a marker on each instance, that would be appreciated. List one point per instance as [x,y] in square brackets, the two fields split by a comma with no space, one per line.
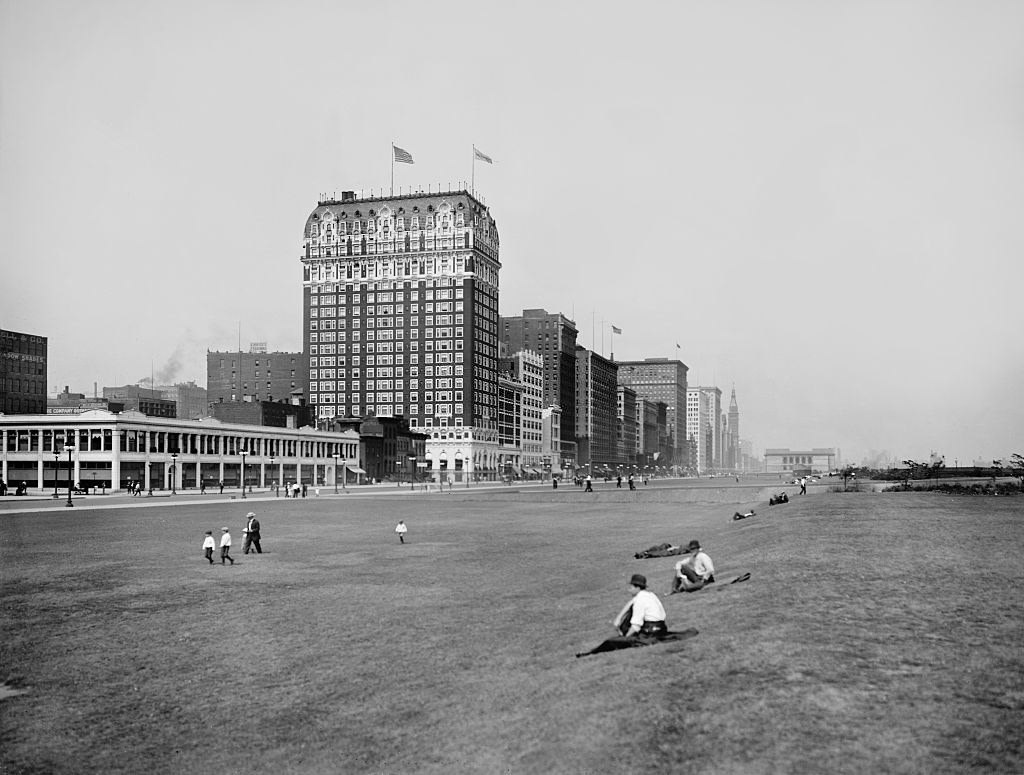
[355,469]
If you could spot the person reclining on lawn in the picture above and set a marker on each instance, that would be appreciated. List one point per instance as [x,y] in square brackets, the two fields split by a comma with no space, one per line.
[782,497]
[744,515]
[694,571]
[659,550]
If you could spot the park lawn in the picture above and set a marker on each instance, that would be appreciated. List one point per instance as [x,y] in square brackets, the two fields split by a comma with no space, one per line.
[878,632]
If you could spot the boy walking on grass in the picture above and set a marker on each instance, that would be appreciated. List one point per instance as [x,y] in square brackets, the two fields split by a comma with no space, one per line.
[225,546]
[208,546]
[401,529]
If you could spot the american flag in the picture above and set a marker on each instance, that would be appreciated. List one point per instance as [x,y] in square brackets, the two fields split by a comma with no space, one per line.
[616,330]
[402,155]
[478,154]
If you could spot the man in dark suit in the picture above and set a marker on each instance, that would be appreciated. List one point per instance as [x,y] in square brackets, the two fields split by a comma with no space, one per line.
[252,534]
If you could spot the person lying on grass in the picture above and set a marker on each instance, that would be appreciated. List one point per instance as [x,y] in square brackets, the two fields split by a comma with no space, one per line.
[694,571]
[744,515]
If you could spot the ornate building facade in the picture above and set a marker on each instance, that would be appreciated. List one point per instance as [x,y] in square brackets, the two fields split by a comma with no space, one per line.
[400,311]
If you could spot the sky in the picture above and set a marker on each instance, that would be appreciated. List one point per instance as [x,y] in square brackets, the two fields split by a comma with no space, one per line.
[821,204]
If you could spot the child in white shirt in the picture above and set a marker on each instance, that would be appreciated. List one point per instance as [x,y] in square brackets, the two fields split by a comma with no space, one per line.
[208,546]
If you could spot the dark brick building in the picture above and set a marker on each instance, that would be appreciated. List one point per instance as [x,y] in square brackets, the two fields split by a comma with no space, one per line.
[553,336]
[22,373]
[273,414]
[261,376]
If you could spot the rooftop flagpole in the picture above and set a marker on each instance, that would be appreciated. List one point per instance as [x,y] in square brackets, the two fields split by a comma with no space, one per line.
[392,168]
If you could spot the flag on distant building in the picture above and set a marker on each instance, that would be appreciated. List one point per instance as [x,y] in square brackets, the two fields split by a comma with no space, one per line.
[678,347]
[401,155]
[478,154]
[616,330]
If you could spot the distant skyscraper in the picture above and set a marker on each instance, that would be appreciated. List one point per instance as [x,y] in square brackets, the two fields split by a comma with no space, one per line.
[698,428]
[733,435]
[662,379]
[401,318]
[712,443]
[596,409]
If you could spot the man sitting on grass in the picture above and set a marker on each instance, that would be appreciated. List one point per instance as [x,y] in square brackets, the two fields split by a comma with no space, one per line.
[644,614]
[694,571]
[641,622]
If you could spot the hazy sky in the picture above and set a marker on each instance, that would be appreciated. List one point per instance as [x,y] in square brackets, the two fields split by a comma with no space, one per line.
[822,203]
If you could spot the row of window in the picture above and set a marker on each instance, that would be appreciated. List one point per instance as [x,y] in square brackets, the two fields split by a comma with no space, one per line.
[399,223]
[166,442]
[390,409]
[386,311]
[384,292]
[381,371]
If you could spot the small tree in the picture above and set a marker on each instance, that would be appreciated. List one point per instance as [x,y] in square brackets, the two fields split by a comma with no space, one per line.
[848,473]
[1016,467]
[913,467]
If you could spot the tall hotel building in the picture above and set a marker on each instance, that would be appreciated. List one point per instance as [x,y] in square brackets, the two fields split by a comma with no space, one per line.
[400,310]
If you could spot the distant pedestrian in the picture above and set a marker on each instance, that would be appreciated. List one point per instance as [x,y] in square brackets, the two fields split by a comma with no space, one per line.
[618,481]
[225,546]
[589,484]
[304,489]
[803,486]
[252,534]
[221,487]
[554,482]
[632,484]
[401,529]
[295,490]
[208,546]
[202,487]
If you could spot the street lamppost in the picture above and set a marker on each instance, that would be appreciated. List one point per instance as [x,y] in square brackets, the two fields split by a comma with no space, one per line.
[70,472]
[412,471]
[336,457]
[243,453]
[174,473]
[56,470]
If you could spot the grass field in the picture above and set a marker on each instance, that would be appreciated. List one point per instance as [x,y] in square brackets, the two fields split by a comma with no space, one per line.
[878,633]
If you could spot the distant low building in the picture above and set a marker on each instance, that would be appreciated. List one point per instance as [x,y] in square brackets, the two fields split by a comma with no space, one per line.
[145,400]
[272,414]
[806,461]
[388,447]
[67,402]
[190,400]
